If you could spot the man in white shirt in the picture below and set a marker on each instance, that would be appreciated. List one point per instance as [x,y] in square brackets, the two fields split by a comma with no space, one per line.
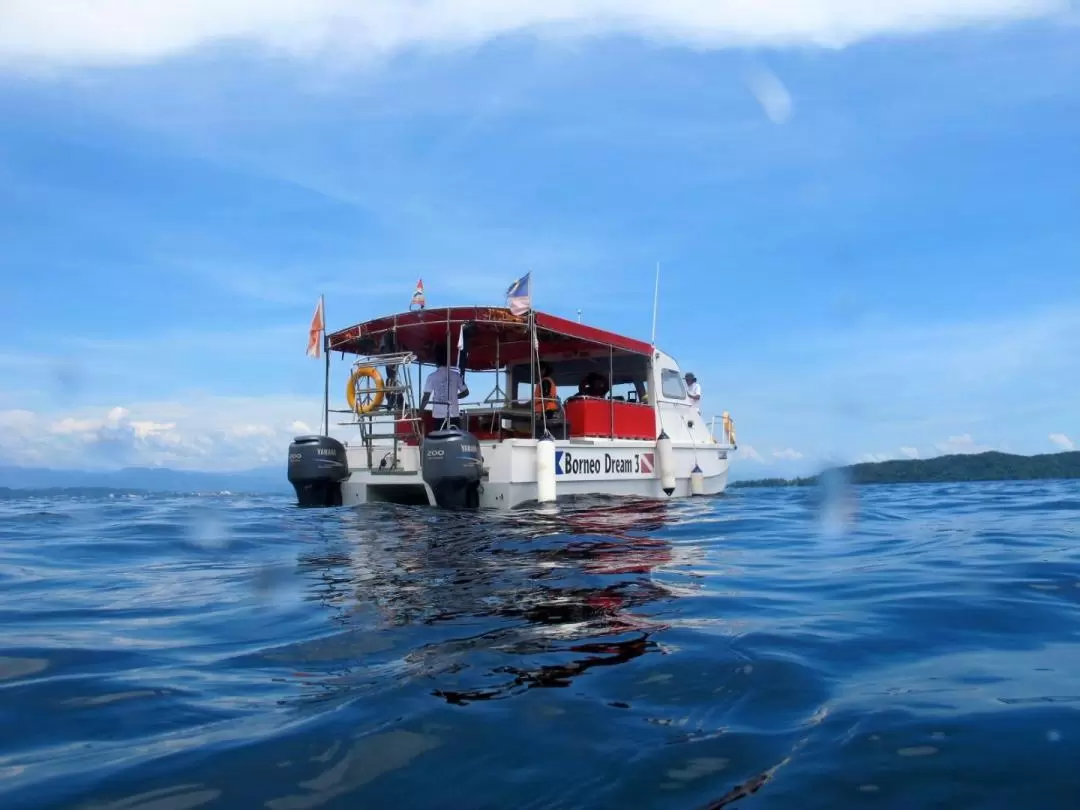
[443,388]
[693,390]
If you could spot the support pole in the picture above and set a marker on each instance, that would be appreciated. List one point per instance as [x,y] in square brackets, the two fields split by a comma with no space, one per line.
[534,360]
[611,377]
[446,419]
[326,372]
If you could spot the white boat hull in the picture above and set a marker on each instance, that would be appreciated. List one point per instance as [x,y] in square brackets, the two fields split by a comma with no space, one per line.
[583,467]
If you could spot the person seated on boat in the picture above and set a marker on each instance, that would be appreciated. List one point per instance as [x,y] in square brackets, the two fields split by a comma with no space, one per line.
[444,388]
[598,386]
[545,396]
[693,390]
[582,390]
[591,385]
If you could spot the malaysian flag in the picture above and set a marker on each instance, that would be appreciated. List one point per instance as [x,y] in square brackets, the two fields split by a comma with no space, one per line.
[518,295]
[418,296]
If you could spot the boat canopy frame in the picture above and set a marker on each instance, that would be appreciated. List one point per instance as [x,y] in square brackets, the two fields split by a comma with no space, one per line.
[494,337]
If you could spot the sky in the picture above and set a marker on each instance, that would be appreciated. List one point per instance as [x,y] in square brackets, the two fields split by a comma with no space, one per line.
[866,215]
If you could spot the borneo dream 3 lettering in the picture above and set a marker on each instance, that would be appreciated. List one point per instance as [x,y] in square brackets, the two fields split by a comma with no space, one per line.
[567,463]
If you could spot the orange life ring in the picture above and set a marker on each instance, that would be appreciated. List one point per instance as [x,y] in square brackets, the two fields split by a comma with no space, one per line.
[358,405]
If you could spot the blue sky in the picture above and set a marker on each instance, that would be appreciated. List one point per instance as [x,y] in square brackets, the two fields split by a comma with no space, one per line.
[867,219]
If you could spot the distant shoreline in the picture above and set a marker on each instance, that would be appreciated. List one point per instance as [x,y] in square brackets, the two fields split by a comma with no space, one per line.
[952,469]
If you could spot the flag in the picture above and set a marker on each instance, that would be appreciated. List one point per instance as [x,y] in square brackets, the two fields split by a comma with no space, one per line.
[418,296]
[314,345]
[462,358]
[518,296]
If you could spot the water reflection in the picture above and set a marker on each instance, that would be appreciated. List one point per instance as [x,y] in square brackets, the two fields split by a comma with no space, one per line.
[485,606]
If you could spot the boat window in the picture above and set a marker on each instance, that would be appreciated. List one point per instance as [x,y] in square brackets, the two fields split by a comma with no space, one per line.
[671,384]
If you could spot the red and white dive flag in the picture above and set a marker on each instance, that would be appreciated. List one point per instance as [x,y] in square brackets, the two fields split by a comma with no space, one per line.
[318,326]
[418,296]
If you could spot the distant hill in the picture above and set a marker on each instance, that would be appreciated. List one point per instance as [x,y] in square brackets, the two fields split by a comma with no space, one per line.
[146,479]
[990,466]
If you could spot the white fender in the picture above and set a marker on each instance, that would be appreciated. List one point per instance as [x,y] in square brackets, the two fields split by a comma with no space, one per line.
[697,481]
[545,470]
[665,463]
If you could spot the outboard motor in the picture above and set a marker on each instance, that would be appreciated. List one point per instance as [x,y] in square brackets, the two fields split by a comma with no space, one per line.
[452,466]
[317,466]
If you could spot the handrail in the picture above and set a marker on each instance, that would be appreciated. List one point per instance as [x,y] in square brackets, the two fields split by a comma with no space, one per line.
[388,359]
[728,428]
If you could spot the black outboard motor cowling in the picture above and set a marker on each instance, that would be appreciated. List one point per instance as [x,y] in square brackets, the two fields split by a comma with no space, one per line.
[317,466]
[452,466]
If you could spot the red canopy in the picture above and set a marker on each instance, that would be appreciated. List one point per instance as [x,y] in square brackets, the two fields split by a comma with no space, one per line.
[494,336]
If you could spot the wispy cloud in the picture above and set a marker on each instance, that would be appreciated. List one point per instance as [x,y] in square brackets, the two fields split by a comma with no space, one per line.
[79,32]
[907,383]
[962,444]
[206,433]
[787,453]
[1062,441]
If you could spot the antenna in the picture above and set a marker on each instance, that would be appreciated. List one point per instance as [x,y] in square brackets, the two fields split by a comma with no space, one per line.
[579,316]
[655,305]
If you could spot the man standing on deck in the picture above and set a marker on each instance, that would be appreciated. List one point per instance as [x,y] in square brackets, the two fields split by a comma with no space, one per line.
[693,390]
[443,388]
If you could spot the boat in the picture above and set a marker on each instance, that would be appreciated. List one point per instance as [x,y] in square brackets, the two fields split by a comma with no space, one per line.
[637,435]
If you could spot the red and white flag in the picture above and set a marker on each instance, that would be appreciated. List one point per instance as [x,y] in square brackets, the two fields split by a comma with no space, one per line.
[318,326]
[418,299]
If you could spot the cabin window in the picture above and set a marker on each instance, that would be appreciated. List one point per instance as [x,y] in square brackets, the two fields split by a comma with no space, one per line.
[671,384]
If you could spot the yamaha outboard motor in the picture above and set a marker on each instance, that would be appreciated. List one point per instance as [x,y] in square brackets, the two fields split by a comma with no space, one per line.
[317,466]
[452,466]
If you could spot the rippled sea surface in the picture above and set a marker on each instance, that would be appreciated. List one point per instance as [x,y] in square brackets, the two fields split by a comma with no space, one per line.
[906,647]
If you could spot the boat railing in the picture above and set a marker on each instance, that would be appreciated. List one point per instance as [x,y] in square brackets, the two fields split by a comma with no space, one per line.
[389,412]
[727,427]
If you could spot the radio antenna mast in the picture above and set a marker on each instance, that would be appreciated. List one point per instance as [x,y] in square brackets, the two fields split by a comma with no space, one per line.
[655,305]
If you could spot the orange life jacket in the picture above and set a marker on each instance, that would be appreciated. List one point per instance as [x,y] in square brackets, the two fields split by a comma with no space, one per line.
[542,403]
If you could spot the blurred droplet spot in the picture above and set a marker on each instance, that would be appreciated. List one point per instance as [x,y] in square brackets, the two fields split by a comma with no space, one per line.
[68,380]
[12,668]
[207,530]
[917,751]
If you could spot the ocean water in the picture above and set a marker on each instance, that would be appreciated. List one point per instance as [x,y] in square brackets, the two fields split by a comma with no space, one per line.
[884,647]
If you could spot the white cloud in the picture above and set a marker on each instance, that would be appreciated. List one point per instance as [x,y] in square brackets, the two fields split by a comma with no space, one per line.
[1062,441]
[873,457]
[909,452]
[106,32]
[748,453]
[787,453]
[961,444]
[208,433]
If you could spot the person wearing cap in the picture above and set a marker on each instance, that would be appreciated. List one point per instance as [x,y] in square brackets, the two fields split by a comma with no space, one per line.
[693,390]
[443,388]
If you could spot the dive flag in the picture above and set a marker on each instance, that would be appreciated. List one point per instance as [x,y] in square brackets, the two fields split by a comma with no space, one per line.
[418,296]
[518,296]
[314,345]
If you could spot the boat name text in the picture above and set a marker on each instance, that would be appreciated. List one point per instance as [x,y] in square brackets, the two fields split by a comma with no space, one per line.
[567,463]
